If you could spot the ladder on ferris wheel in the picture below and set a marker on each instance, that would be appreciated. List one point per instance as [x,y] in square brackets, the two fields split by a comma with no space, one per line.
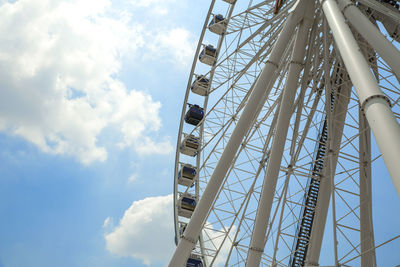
[310,202]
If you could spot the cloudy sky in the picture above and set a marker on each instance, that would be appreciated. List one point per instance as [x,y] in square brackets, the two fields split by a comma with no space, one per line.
[90,96]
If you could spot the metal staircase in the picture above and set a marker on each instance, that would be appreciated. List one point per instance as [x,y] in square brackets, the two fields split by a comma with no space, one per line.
[303,232]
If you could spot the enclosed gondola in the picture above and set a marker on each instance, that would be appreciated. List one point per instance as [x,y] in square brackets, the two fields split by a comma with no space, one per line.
[200,85]
[190,145]
[208,55]
[186,205]
[186,175]
[194,115]
[218,24]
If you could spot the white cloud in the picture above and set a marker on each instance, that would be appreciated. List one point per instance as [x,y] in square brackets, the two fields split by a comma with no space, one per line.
[158,7]
[166,41]
[147,3]
[145,232]
[108,223]
[148,147]
[58,66]
[177,45]
[133,178]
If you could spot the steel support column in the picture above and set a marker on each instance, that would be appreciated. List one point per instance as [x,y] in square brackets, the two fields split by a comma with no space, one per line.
[264,206]
[368,259]
[374,103]
[372,34]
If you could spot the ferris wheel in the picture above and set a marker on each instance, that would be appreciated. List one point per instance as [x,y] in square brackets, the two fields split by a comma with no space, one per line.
[276,146]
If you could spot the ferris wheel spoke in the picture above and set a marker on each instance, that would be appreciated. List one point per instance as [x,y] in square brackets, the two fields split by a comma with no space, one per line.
[226,187]
[237,79]
[265,155]
[253,16]
[267,114]
[246,64]
[269,185]
[247,61]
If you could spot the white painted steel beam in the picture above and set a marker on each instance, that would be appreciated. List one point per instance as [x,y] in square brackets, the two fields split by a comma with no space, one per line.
[274,162]
[257,98]
[380,7]
[372,34]
[368,258]
[375,104]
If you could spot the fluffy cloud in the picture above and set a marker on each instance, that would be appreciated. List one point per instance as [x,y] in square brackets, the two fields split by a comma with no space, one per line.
[147,227]
[177,45]
[145,231]
[59,89]
[158,7]
[108,223]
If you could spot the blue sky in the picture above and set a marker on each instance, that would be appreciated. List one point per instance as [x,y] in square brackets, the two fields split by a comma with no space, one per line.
[90,99]
[91,93]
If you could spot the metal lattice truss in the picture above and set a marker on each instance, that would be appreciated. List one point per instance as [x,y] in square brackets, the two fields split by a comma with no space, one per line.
[307,148]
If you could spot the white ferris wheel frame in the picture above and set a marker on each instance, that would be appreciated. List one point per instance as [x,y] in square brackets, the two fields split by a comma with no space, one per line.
[374,104]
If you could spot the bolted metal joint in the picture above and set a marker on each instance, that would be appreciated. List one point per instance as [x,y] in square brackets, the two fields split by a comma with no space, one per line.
[368,99]
[191,240]
[261,250]
[301,64]
[272,63]
[346,6]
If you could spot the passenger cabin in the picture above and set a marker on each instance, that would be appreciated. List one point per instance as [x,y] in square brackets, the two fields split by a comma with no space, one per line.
[194,115]
[200,85]
[208,55]
[186,175]
[230,1]
[218,24]
[190,145]
[186,205]
[194,261]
